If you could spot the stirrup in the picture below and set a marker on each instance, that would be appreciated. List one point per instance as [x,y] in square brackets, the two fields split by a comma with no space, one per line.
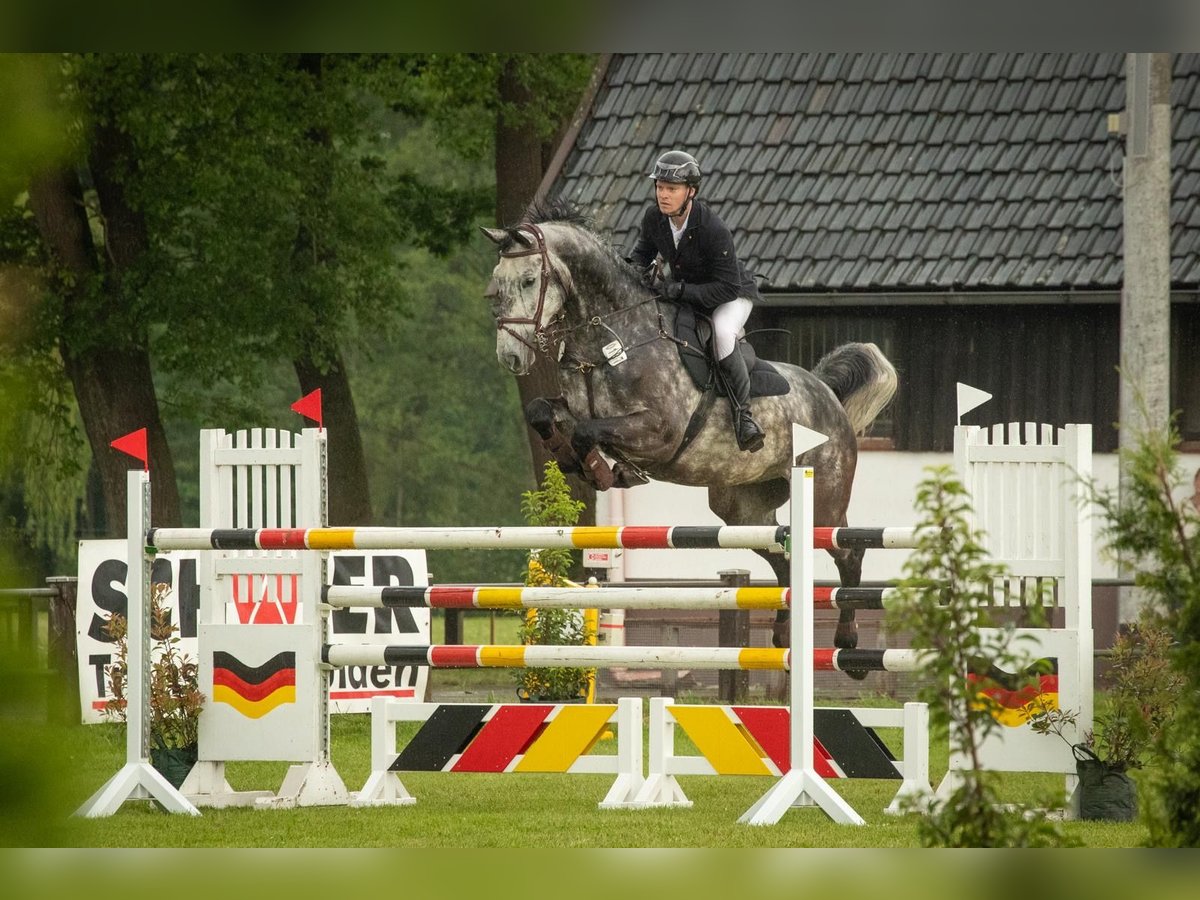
[627,477]
[755,441]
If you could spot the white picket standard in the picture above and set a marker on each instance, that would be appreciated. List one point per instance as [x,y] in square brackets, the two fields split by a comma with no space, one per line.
[264,478]
[1028,485]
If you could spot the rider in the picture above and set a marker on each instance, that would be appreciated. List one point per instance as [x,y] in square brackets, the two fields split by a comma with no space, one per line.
[705,273]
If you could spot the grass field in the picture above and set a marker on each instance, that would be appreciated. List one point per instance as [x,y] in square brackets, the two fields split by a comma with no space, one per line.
[62,766]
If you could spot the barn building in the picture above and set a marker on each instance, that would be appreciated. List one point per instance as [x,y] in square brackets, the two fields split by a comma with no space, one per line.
[963,211]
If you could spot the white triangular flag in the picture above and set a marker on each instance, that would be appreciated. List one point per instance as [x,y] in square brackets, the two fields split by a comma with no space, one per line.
[969,398]
[804,439]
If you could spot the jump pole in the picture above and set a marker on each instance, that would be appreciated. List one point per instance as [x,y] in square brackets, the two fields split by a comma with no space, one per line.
[801,785]
[137,779]
[492,597]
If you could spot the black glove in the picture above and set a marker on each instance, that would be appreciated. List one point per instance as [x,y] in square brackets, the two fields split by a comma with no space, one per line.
[649,275]
[673,290]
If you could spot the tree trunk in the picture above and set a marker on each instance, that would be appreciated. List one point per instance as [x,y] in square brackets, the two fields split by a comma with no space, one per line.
[349,495]
[113,383]
[348,491]
[520,165]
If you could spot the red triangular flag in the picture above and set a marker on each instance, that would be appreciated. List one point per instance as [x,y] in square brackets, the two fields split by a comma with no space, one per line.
[309,406]
[134,444]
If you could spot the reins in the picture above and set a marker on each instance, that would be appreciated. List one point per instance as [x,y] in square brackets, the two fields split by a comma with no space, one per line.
[552,331]
[614,353]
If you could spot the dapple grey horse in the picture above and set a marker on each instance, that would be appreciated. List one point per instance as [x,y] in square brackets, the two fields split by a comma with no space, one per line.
[561,289]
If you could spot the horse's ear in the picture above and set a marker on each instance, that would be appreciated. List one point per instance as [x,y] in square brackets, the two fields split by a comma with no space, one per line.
[495,235]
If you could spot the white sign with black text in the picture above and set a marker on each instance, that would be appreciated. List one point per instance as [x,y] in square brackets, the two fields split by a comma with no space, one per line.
[256,600]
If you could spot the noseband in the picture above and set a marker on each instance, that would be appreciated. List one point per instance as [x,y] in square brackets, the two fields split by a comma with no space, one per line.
[548,272]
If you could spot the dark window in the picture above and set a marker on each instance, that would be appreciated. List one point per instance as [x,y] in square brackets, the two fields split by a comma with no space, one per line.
[1185,369]
[802,336]
[1055,364]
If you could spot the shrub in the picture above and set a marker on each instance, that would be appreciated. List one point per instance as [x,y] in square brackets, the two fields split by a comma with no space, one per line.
[175,699]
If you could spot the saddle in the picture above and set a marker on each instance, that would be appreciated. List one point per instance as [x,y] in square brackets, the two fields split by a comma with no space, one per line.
[693,337]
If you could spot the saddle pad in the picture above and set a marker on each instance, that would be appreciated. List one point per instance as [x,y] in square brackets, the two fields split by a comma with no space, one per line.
[765,380]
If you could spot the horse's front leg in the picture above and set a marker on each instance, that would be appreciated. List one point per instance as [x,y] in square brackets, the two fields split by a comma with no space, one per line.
[641,436]
[554,424]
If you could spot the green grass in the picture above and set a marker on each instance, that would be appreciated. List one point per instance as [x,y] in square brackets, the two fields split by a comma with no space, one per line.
[62,766]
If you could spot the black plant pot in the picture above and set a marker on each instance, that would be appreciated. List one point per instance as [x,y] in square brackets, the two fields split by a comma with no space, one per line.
[174,762]
[1105,794]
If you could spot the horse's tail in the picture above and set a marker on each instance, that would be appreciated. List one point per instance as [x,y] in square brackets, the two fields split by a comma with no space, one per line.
[862,379]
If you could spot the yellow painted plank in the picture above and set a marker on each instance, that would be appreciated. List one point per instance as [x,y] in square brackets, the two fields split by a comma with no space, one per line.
[570,735]
[594,536]
[501,655]
[719,740]
[330,538]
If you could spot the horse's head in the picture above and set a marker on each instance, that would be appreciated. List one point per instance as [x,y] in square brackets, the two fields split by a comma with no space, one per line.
[526,292]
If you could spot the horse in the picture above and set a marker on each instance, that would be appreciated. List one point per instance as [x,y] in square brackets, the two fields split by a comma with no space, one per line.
[559,288]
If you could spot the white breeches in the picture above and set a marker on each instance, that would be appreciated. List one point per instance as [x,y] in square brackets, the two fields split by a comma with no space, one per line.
[728,320]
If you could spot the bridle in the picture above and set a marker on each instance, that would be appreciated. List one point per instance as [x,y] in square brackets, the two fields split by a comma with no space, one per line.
[548,271]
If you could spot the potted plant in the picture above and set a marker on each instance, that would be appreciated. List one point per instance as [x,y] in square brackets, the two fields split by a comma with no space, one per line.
[175,699]
[552,505]
[1142,696]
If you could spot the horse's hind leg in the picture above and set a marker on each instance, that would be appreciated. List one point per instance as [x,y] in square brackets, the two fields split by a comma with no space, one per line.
[755,504]
[849,566]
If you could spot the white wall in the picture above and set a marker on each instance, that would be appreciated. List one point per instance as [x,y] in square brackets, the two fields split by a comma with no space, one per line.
[884,493]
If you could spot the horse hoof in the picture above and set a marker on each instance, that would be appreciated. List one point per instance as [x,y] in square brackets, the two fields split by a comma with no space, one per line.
[857,674]
[780,632]
[624,477]
[846,638]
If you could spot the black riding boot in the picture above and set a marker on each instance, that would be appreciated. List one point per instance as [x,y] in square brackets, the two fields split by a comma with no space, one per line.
[737,380]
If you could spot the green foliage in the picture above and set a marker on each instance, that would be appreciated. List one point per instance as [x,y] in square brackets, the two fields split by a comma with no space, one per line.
[945,594]
[552,505]
[31,126]
[175,698]
[459,92]
[1142,696]
[440,419]
[290,206]
[1157,534]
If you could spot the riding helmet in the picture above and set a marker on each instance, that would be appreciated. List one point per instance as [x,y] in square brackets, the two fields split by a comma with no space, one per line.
[677,167]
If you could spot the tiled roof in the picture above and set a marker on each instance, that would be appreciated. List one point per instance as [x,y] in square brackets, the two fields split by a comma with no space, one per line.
[891,171]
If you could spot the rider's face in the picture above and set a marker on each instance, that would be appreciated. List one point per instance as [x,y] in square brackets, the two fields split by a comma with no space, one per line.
[671,196]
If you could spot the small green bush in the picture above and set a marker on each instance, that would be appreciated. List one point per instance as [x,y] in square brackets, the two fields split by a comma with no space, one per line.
[552,505]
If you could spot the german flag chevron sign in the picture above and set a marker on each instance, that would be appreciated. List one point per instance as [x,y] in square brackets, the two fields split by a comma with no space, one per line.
[261,694]
[254,690]
[753,740]
[1013,698]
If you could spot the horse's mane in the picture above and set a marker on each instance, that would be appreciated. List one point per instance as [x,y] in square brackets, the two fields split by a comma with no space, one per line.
[558,210]
[606,267]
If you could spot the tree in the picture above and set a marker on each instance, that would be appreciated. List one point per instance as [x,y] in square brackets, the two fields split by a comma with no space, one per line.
[220,213]
[944,601]
[102,328]
[227,215]
[1147,521]
[517,107]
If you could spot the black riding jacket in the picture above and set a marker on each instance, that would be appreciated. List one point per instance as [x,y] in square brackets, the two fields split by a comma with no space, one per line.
[705,260]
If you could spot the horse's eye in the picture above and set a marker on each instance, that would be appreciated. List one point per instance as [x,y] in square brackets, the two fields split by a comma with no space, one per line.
[497,307]
[529,281]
